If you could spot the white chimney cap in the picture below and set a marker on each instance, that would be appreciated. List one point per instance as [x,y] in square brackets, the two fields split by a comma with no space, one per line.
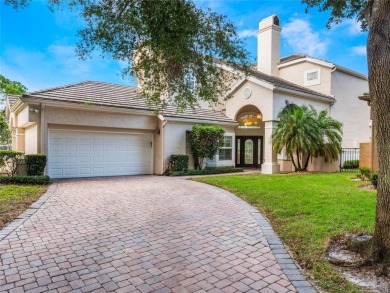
[272,20]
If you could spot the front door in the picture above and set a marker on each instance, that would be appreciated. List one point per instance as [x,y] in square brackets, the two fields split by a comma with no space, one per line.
[249,151]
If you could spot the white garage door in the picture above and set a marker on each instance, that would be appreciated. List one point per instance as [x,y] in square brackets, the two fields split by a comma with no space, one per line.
[87,154]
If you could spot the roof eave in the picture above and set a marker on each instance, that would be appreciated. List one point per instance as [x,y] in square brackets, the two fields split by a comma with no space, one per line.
[327,99]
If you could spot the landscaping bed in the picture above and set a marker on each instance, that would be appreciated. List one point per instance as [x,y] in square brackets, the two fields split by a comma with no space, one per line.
[307,211]
[207,171]
[15,199]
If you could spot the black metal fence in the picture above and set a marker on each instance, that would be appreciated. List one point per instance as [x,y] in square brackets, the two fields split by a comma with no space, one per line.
[349,160]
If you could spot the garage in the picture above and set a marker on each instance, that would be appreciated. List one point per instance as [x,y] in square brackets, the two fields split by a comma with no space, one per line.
[77,153]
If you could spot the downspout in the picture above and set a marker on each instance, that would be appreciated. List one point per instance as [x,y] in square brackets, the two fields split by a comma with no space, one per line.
[162,124]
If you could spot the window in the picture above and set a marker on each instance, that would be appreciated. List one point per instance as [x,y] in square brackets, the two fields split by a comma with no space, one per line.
[190,80]
[249,120]
[312,77]
[225,152]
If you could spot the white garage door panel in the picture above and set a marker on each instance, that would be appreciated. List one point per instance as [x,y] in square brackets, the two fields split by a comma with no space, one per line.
[84,154]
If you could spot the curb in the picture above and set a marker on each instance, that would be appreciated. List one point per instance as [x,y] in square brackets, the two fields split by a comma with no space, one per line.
[19,220]
[289,267]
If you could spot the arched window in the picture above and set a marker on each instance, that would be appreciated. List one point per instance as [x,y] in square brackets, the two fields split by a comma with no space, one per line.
[249,120]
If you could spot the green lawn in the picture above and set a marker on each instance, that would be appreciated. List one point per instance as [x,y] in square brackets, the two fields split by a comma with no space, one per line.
[306,211]
[15,199]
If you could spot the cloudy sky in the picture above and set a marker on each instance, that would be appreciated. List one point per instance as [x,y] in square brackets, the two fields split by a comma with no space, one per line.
[37,47]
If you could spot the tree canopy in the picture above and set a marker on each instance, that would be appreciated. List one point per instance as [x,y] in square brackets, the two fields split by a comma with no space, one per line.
[165,43]
[10,87]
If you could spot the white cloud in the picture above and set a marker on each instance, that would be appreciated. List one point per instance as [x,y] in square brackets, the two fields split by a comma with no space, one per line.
[353,27]
[300,36]
[359,50]
[247,34]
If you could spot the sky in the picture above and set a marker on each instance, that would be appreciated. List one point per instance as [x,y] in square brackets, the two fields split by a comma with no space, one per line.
[37,46]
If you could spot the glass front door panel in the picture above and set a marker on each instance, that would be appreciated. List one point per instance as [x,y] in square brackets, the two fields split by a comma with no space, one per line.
[238,155]
[259,151]
[249,152]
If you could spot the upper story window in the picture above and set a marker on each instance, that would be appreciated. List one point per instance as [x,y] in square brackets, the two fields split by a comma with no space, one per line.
[312,77]
[249,120]
[190,80]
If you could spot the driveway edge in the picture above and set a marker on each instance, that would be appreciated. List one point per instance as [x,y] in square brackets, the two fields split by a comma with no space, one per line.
[19,220]
[289,267]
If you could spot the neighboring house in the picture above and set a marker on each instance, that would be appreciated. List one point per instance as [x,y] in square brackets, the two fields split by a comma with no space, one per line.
[368,150]
[100,129]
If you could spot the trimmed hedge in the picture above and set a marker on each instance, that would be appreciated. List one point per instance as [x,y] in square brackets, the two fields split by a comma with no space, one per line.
[35,164]
[33,180]
[207,171]
[351,164]
[178,163]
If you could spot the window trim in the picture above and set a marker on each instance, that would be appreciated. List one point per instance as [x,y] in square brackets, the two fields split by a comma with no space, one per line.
[316,81]
[227,148]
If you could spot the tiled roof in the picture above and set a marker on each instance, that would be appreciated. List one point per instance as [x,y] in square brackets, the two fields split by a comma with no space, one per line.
[282,83]
[279,82]
[120,96]
[12,99]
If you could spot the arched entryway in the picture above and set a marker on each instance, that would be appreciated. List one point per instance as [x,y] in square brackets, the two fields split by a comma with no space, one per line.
[249,137]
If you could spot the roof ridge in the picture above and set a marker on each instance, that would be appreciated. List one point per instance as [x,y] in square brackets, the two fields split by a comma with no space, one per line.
[59,87]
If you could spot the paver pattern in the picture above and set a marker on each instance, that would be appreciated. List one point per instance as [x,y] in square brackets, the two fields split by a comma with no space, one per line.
[139,234]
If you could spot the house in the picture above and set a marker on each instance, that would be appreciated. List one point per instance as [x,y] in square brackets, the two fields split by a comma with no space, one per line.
[100,129]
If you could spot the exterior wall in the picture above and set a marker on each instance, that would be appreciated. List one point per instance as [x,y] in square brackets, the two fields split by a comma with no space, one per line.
[354,114]
[295,73]
[365,155]
[175,142]
[31,139]
[319,165]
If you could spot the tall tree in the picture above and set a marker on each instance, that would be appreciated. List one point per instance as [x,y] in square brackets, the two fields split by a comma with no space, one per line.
[374,16]
[7,87]
[165,43]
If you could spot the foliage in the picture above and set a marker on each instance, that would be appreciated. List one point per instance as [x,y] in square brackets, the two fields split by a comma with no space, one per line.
[5,132]
[178,162]
[364,173]
[304,134]
[205,142]
[11,161]
[207,171]
[15,199]
[163,42]
[9,87]
[35,164]
[306,211]
[351,164]
[32,180]
[374,179]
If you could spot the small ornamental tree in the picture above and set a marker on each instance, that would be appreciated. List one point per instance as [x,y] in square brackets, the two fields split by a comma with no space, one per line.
[205,142]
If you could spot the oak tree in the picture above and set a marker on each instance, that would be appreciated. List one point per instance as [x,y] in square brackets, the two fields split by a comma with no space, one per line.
[374,15]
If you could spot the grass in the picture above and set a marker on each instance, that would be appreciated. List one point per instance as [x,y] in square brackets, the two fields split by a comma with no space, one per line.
[15,199]
[306,211]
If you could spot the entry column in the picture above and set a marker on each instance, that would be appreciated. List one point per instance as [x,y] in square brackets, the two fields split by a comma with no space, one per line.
[270,165]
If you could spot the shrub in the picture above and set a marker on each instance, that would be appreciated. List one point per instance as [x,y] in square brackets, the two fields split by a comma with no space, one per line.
[11,161]
[35,164]
[207,171]
[364,173]
[33,180]
[351,164]
[178,163]
[205,142]
[374,179]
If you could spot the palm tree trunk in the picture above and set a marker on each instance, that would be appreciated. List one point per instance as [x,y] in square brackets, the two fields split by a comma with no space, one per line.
[378,48]
[298,161]
[306,163]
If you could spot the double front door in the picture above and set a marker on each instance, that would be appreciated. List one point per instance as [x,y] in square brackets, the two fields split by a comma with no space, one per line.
[249,151]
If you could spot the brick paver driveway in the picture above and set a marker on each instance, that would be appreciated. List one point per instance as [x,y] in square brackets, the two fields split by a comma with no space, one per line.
[141,234]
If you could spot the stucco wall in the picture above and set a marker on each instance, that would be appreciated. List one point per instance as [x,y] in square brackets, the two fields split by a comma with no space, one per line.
[31,140]
[295,74]
[354,114]
[175,142]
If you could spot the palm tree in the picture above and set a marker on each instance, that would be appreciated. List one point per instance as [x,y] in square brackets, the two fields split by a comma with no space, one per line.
[304,134]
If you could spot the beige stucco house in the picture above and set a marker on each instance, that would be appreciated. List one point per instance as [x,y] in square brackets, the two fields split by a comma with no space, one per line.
[100,129]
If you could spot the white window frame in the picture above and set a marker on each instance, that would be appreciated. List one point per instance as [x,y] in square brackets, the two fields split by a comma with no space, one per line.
[312,82]
[227,148]
[190,77]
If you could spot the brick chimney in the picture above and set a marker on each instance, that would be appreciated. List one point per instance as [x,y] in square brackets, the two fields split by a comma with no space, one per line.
[268,45]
